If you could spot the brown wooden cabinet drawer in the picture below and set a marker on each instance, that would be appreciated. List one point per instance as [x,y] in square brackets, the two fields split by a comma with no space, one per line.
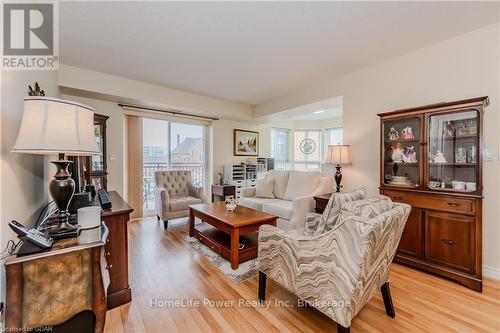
[450,240]
[434,202]
[411,240]
[204,240]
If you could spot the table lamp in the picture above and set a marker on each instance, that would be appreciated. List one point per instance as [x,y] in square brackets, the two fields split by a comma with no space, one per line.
[338,155]
[56,126]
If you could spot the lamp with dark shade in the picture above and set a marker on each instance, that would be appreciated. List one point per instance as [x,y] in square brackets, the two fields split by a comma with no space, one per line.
[56,126]
[338,155]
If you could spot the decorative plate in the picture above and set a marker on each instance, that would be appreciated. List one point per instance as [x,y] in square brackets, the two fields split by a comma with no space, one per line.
[307,146]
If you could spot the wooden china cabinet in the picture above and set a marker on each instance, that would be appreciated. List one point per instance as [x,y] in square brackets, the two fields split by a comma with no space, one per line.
[96,171]
[431,159]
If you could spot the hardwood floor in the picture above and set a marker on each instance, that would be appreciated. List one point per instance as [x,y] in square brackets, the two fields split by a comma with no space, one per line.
[163,267]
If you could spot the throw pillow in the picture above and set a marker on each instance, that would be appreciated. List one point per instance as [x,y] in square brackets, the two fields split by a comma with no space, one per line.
[264,188]
[367,208]
[331,215]
[301,184]
[280,178]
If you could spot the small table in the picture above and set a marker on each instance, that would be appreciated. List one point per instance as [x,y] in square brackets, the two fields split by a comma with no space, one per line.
[222,191]
[321,202]
[224,231]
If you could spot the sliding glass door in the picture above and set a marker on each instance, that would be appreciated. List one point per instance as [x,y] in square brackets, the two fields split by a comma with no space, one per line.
[170,145]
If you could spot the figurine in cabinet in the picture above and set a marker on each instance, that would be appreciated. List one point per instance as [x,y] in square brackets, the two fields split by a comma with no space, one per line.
[393,134]
[407,133]
[397,153]
[437,157]
[410,155]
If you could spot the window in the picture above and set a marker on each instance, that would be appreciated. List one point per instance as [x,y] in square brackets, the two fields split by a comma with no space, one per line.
[168,145]
[334,136]
[279,148]
[307,150]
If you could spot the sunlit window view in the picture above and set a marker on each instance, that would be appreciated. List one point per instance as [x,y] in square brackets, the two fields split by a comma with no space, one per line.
[170,146]
[307,150]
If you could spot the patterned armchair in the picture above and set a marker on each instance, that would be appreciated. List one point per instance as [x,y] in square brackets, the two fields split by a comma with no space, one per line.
[174,192]
[338,270]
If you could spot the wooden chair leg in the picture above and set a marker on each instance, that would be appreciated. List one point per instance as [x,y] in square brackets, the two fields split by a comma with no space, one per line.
[165,224]
[342,329]
[262,287]
[386,295]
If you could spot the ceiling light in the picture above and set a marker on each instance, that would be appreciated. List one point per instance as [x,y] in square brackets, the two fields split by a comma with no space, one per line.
[318,112]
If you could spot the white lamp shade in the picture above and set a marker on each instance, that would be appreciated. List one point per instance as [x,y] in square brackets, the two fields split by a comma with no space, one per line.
[338,154]
[52,125]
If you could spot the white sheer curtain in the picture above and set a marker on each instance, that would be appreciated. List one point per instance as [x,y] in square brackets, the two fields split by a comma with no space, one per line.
[279,148]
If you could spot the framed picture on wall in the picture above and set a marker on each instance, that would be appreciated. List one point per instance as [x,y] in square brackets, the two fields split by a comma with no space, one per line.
[246,143]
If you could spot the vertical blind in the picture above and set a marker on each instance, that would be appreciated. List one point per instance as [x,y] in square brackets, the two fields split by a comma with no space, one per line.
[279,148]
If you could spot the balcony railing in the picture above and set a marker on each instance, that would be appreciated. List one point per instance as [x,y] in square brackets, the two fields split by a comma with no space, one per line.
[148,178]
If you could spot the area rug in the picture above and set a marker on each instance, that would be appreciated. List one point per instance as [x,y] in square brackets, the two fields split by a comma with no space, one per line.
[245,271]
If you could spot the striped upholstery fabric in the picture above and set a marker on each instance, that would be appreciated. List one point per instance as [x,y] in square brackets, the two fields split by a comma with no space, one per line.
[338,271]
[315,225]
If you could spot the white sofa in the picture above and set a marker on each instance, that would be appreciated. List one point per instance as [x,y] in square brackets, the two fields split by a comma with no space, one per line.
[293,196]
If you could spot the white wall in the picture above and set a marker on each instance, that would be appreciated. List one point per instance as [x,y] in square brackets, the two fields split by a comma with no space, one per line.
[463,67]
[145,93]
[23,189]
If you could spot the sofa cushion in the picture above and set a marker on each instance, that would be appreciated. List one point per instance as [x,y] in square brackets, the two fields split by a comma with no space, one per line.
[264,188]
[367,208]
[301,184]
[254,202]
[280,182]
[280,208]
[332,214]
[177,203]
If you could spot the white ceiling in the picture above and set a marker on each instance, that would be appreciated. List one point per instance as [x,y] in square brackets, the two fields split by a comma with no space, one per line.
[251,52]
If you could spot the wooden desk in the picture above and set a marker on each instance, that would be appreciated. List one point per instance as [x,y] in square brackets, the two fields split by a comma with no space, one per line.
[321,202]
[222,191]
[116,219]
[49,289]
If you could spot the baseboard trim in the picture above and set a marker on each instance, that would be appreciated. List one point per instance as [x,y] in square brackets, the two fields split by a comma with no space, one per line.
[491,272]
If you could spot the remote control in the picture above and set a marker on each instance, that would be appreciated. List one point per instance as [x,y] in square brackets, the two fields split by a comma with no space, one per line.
[39,238]
[104,199]
[18,228]
[32,235]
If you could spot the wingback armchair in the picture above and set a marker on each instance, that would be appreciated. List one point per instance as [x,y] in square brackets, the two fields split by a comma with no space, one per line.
[338,270]
[174,192]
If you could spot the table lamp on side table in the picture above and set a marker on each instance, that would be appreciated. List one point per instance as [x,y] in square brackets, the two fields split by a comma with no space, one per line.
[56,126]
[338,155]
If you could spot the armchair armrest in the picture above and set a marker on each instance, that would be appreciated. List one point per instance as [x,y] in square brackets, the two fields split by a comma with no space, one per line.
[161,200]
[197,192]
[248,192]
[301,207]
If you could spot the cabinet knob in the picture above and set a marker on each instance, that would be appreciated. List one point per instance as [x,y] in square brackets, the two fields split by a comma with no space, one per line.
[448,241]
[108,267]
[453,204]
[106,254]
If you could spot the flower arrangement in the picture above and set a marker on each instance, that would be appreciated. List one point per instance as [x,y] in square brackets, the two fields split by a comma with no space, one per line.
[230,204]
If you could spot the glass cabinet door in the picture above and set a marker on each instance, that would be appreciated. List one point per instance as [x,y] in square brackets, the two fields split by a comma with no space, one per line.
[453,151]
[401,152]
[97,162]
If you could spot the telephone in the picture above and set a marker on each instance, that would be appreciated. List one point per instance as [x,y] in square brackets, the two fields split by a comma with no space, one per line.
[33,236]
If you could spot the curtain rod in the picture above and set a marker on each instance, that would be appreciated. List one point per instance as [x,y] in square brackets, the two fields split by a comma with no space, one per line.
[171,111]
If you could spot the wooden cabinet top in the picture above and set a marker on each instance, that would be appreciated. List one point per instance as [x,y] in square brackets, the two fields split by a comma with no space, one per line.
[478,101]
[88,238]
[119,205]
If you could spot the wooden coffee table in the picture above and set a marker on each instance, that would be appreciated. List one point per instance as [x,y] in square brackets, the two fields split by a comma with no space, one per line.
[224,231]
